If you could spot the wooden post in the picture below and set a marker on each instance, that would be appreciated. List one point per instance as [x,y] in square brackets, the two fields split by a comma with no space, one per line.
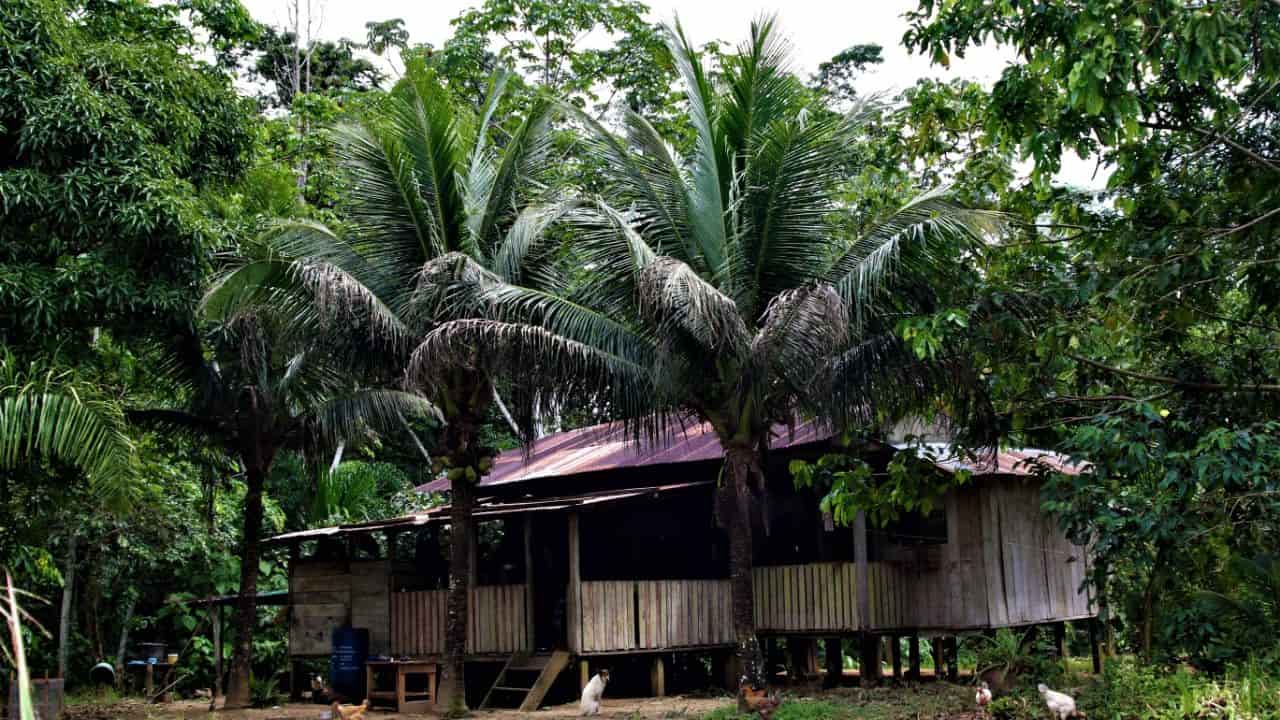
[939,657]
[860,570]
[1060,641]
[895,651]
[657,677]
[1093,646]
[584,675]
[869,661]
[953,658]
[574,601]
[913,657]
[150,684]
[215,621]
[530,639]
[835,662]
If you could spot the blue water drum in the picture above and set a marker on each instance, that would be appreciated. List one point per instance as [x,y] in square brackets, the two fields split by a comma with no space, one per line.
[346,664]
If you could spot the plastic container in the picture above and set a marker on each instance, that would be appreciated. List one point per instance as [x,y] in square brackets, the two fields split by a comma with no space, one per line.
[152,653]
[171,658]
[346,663]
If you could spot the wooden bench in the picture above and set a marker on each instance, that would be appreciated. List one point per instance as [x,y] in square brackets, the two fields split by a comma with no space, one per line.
[417,700]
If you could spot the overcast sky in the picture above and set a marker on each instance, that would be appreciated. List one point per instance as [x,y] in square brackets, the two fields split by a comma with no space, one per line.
[817,29]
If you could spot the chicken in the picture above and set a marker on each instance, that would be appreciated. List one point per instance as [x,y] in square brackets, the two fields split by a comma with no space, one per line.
[1061,705]
[760,701]
[349,712]
[982,697]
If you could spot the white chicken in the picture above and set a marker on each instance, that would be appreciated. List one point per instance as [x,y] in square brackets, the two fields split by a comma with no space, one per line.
[1062,706]
[983,698]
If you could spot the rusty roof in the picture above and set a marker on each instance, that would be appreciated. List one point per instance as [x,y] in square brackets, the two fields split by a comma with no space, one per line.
[610,447]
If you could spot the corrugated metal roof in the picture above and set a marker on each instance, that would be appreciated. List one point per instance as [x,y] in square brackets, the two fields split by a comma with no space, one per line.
[487,509]
[609,447]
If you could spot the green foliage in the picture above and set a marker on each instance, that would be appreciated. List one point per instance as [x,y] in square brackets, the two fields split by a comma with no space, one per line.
[908,483]
[110,130]
[265,692]
[835,77]
[1136,690]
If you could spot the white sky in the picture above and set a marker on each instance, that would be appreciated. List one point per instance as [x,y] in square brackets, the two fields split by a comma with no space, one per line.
[818,30]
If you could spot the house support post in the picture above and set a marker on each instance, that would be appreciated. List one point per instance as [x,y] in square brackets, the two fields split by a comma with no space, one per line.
[584,674]
[530,639]
[895,651]
[574,601]
[731,670]
[1093,645]
[834,652]
[939,657]
[913,657]
[1060,642]
[658,677]
[953,658]
[869,660]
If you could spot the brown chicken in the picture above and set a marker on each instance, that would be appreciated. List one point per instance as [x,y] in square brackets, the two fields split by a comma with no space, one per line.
[760,701]
[349,712]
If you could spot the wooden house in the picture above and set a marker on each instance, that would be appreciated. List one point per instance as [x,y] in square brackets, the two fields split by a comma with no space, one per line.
[594,546]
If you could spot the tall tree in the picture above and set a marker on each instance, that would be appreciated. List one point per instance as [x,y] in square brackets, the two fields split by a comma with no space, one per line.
[255,390]
[110,132]
[725,292]
[1153,357]
[431,196]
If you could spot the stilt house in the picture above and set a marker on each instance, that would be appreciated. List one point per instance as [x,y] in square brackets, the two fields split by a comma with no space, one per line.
[595,547]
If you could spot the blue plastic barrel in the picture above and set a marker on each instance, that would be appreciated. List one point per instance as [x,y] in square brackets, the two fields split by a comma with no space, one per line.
[346,664]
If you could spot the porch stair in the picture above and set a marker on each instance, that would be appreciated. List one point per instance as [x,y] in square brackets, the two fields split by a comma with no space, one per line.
[528,674]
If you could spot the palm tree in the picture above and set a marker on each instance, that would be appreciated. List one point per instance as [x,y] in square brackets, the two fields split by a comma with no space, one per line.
[726,293]
[431,199]
[255,391]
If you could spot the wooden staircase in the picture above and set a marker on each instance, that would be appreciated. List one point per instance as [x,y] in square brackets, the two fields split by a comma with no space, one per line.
[530,675]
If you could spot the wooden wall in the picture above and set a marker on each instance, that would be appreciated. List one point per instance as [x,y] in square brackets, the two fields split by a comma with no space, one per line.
[623,615]
[1032,572]
[327,594]
[1004,563]
[497,622]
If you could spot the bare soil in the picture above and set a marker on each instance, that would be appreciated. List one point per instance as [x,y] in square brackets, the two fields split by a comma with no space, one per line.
[656,708]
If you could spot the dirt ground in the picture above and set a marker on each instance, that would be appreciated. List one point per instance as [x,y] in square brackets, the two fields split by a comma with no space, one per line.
[656,708]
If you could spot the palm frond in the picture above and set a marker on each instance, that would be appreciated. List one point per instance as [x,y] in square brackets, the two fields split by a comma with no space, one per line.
[712,165]
[879,379]
[523,163]
[676,299]
[541,358]
[790,179]
[909,240]
[649,182]
[48,414]
[347,417]
[802,329]
[529,230]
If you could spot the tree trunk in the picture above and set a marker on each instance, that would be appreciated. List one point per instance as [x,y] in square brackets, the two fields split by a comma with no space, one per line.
[246,614]
[64,618]
[124,635]
[453,686]
[742,466]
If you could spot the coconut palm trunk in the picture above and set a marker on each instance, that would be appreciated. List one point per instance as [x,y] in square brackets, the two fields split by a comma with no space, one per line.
[737,500]
[246,612]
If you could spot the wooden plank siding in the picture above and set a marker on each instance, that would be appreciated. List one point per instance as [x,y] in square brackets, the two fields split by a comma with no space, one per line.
[683,613]
[496,622]
[327,594]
